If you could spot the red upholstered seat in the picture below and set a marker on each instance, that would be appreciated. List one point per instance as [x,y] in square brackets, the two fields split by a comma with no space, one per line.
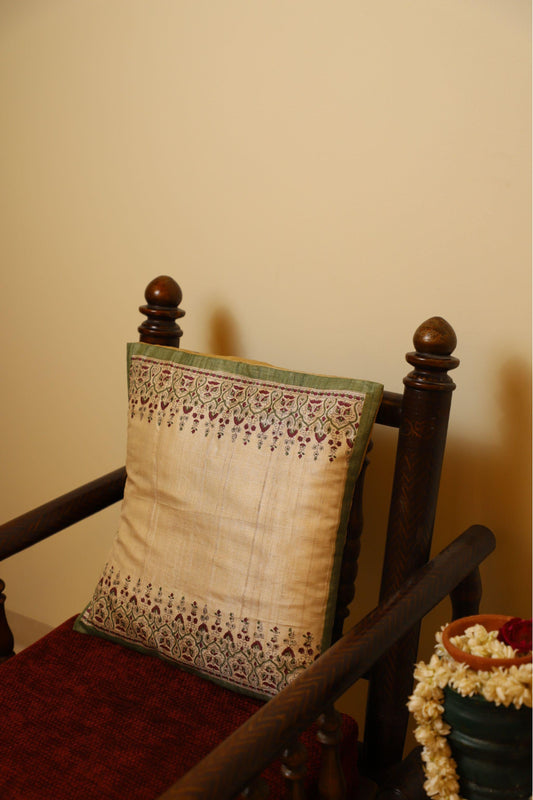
[95,719]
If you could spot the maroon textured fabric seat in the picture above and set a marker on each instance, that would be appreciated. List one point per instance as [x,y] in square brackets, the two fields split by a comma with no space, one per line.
[95,719]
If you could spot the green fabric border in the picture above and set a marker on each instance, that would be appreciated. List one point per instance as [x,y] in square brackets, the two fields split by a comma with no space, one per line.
[256,370]
[250,369]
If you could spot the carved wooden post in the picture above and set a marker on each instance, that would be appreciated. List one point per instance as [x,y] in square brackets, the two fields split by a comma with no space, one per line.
[163,296]
[6,637]
[421,441]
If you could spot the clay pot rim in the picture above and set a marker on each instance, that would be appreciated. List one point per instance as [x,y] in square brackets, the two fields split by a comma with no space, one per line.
[490,622]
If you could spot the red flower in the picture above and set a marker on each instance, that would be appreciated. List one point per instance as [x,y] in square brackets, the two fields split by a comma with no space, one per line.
[517,633]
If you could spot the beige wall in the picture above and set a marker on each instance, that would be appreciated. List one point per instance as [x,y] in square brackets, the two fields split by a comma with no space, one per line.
[320,177]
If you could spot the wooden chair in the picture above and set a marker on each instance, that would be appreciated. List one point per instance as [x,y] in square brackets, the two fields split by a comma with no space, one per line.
[381,648]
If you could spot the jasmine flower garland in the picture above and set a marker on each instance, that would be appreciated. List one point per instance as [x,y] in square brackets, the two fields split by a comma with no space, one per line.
[501,685]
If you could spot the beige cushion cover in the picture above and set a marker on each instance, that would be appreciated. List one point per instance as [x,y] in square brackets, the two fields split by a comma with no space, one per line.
[233,522]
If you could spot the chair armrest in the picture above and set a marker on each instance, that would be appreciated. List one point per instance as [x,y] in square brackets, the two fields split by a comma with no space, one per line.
[243,755]
[36,525]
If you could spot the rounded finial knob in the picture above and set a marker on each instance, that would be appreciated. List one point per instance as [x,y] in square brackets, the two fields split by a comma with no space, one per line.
[164,292]
[435,336]
[435,341]
[163,296]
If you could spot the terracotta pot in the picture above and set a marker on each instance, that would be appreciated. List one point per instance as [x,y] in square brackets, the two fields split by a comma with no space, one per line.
[491,622]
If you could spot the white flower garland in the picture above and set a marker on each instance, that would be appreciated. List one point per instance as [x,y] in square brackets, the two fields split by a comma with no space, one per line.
[501,686]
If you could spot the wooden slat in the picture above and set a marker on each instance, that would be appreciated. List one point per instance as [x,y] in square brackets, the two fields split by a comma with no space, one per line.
[390,410]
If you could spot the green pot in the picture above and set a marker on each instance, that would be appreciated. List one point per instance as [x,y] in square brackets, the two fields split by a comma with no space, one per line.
[491,746]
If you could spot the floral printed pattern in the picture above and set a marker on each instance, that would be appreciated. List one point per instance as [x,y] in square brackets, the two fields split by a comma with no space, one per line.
[240,652]
[250,410]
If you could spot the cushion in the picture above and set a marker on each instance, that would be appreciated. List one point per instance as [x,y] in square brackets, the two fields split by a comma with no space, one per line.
[92,719]
[240,478]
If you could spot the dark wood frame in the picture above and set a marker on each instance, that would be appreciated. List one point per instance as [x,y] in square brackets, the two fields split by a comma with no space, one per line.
[383,646]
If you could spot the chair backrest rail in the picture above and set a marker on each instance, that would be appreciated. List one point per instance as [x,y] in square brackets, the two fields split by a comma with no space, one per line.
[390,410]
[49,518]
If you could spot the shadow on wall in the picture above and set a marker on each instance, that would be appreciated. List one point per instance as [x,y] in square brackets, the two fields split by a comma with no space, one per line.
[224,339]
[482,482]
[490,482]
[487,482]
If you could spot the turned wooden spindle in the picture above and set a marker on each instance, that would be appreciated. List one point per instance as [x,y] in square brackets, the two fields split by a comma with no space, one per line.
[163,296]
[331,782]
[421,440]
[294,770]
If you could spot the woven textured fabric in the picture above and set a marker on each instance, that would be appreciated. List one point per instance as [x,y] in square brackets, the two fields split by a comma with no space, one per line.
[240,478]
[92,719]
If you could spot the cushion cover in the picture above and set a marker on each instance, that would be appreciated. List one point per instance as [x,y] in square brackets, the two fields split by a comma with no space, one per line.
[239,487]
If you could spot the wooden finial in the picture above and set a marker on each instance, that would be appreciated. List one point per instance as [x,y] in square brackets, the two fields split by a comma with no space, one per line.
[435,336]
[435,341]
[163,296]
